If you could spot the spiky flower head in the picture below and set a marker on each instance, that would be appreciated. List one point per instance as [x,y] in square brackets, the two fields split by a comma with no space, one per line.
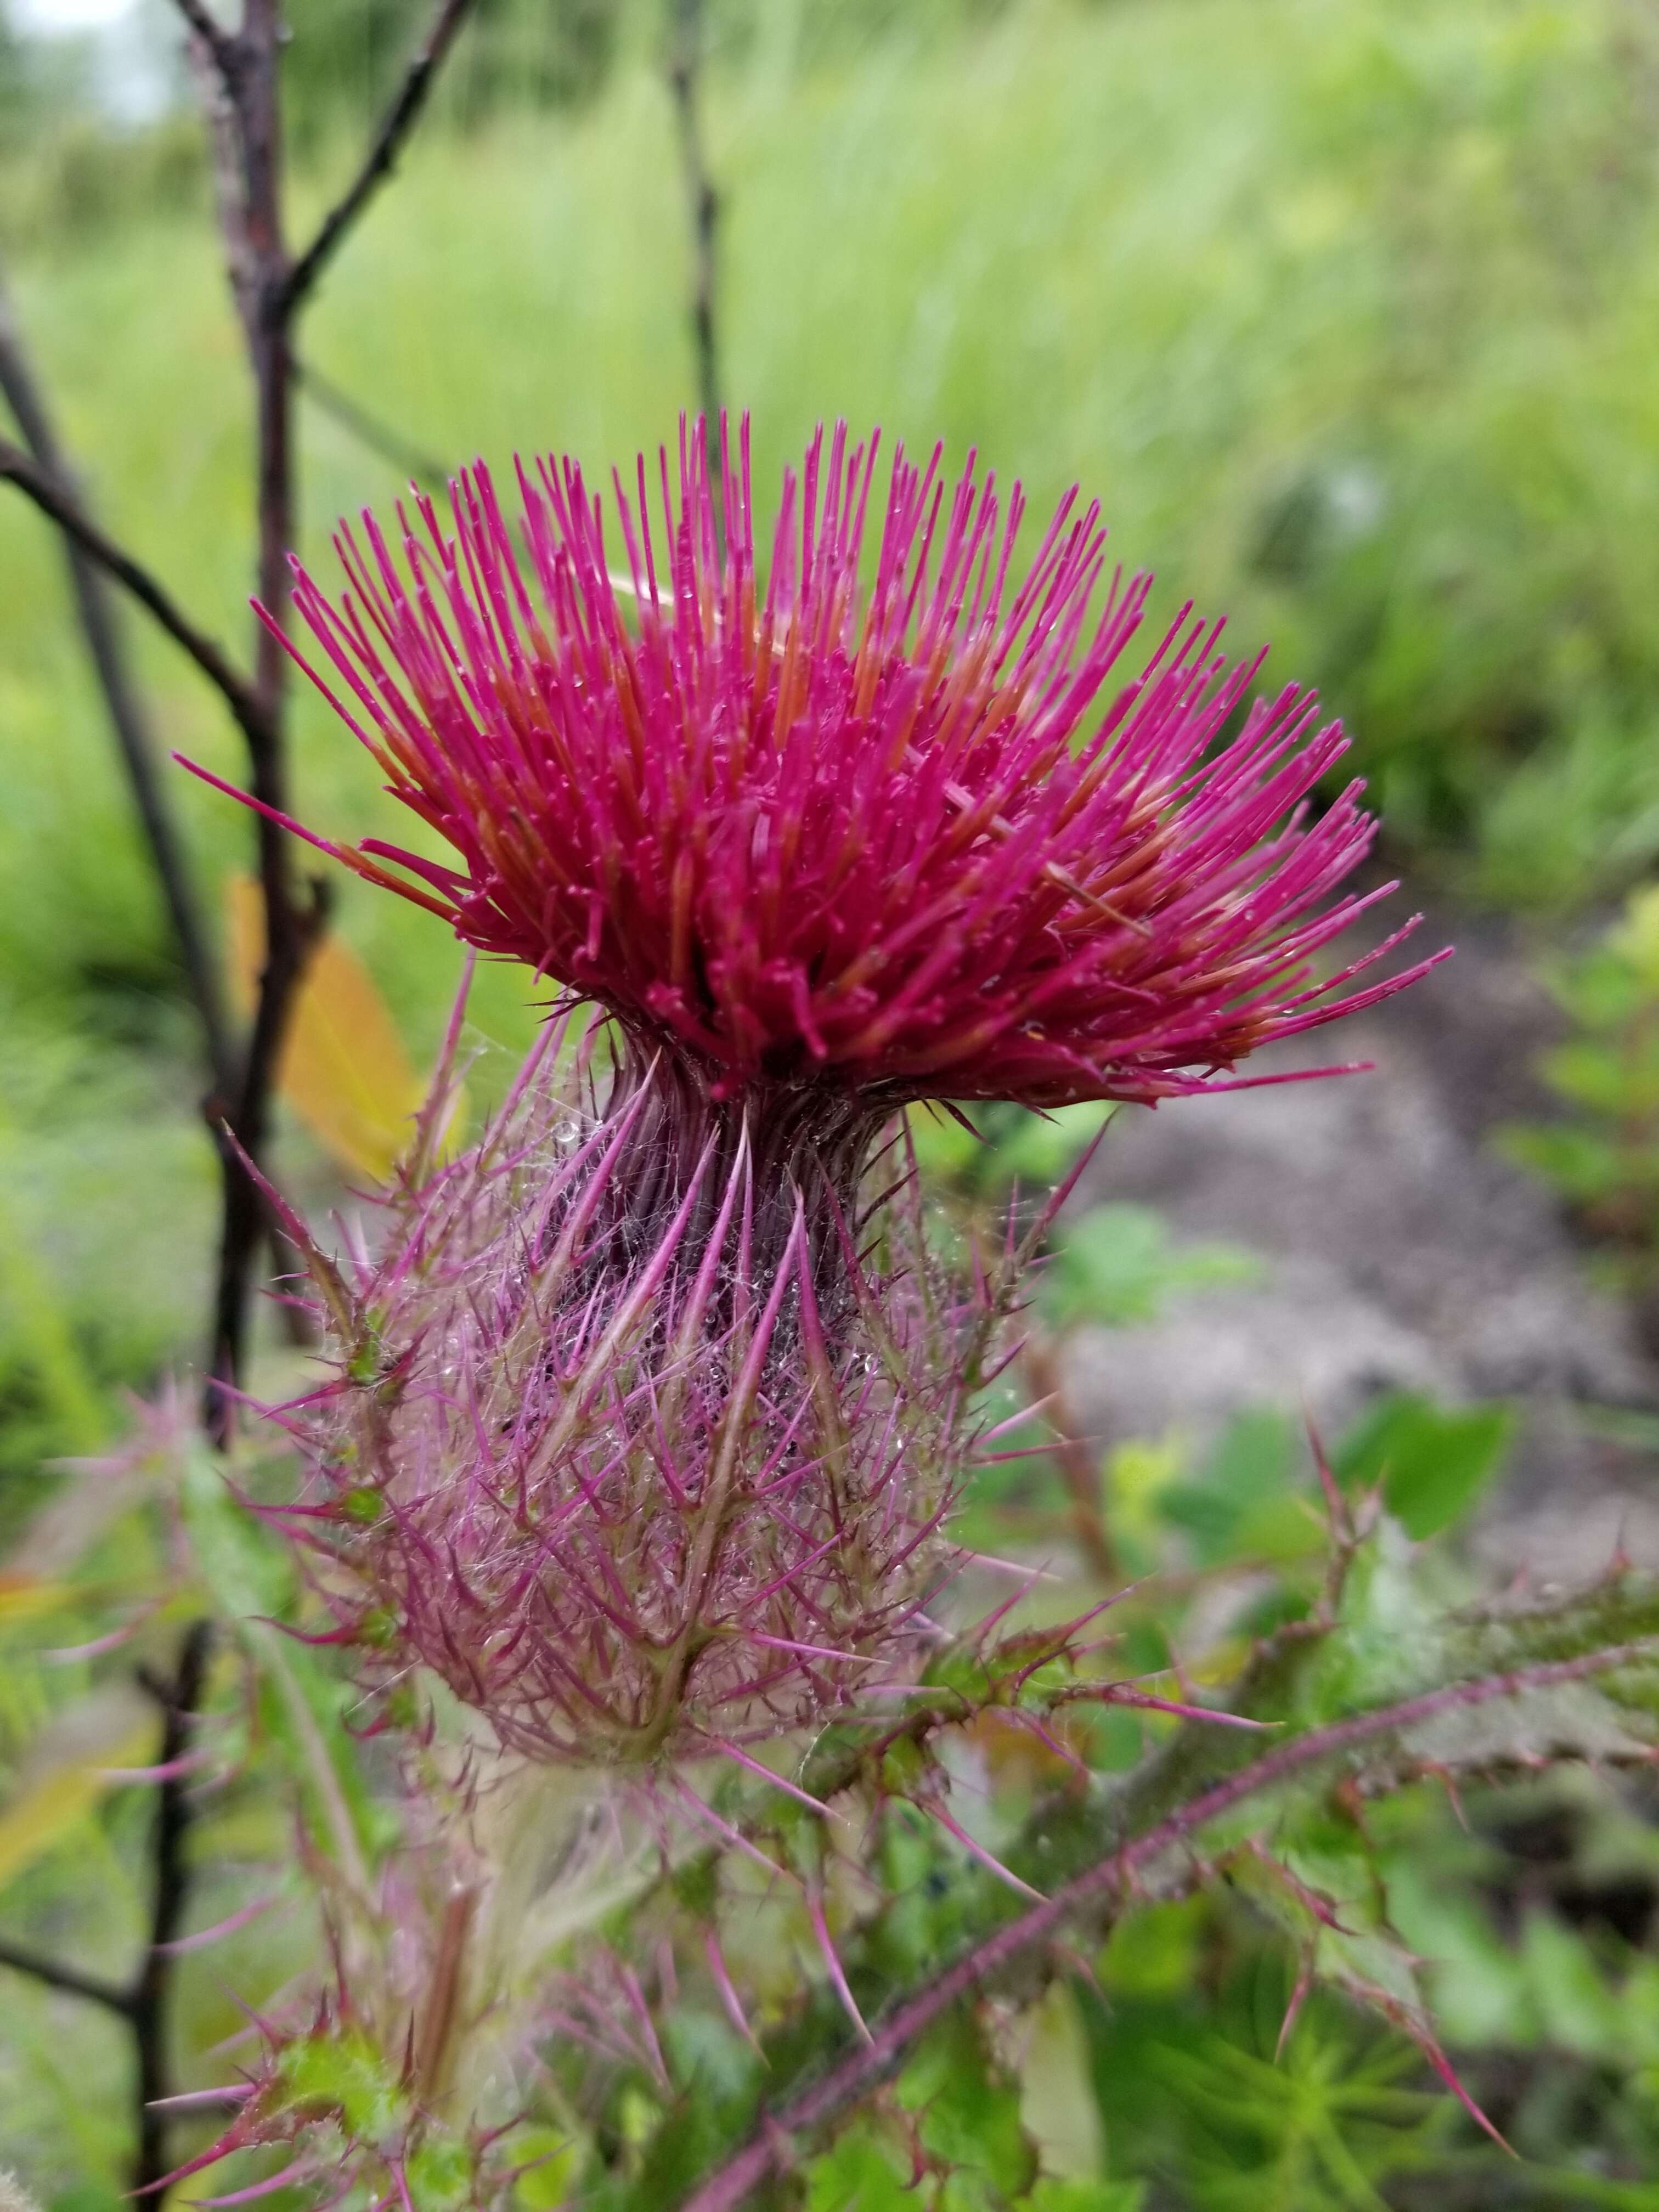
[618,1455]
[898,840]
[642,1434]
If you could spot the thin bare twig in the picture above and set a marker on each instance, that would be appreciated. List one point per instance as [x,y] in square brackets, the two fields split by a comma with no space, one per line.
[388,142]
[143,2002]
[53,500]
[219,42]
[685,80]
[770,2150]
[66,1978]
[270,291]
[147,2000]
[100,627]
[247,125]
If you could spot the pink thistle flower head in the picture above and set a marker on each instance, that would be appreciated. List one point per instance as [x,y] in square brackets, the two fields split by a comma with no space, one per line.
[904,839]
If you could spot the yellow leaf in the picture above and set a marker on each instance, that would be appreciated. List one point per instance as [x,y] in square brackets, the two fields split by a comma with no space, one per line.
[67,1772]
[345,1069]
[26,1597]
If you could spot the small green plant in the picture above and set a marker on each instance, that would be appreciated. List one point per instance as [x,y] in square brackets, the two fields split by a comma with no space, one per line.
[1603,1155]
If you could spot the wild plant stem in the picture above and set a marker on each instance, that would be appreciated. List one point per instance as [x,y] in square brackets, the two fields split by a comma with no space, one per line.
[769,2150]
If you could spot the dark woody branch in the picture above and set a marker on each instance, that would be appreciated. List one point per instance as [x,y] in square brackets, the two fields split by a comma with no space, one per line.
[396,125]
[53,500]
[149,2001]
[69,1979]
[219,43]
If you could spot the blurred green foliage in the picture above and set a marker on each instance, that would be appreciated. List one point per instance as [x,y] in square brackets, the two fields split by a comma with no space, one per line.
[1432,1463]
[1602,1154]
[344,57]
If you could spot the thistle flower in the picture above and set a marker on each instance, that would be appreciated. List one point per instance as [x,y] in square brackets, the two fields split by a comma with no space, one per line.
[643,1431]
[897,842]
[628,1487]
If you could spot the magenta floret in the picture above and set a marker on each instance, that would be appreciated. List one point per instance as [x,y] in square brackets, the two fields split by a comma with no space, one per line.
[904,841]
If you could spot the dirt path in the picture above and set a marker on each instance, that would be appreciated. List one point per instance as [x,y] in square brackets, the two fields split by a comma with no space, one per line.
[1399,1251]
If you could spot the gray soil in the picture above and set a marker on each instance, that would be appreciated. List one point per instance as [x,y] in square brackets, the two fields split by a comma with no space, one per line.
[1397,1250]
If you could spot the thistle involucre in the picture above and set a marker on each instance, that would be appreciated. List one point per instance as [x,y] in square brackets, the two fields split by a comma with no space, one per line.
[644,1431]
[628,1481]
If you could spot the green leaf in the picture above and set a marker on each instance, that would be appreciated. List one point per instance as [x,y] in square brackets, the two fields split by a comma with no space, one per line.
[1052,2195]
[1117,1265]
[1477,1985]
[1578,1163]
[1013,1145]
[1578,2010]
[1057,2102]
[1243,1491]
[1433,1462]
[1634,938]
[967,2112]
[1619,1078]
[344,2074]
[1040,1149]
[1153,1952]
[552,2159]
[860,2174]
